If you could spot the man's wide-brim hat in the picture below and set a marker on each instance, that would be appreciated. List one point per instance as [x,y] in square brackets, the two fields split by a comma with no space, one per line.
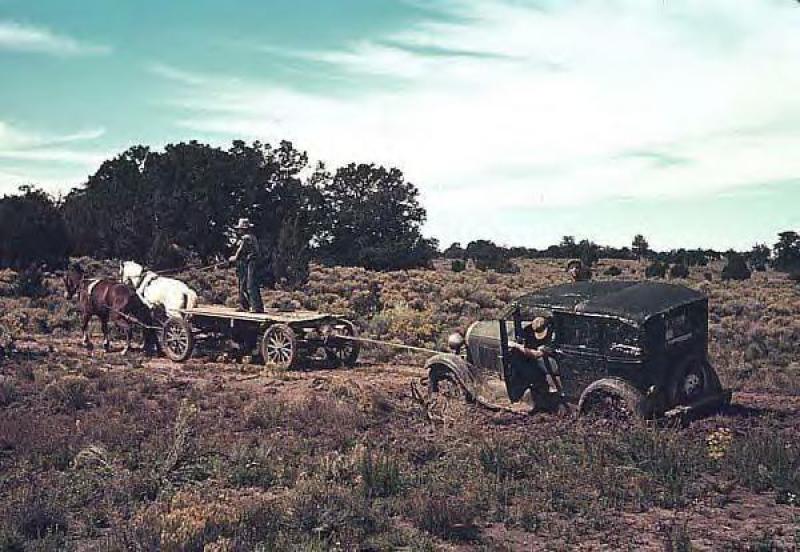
[540,327]
[243,224]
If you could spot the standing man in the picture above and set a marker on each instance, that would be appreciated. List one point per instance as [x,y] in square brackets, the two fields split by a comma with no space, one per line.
[247,260]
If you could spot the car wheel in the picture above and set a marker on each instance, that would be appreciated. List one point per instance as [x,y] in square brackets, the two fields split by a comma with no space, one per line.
[614,399]
[442,382]
[696,380]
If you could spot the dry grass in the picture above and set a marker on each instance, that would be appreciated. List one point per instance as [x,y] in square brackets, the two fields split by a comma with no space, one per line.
[103,453]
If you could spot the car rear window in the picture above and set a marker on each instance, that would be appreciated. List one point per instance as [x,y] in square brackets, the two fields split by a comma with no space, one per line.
[680,325]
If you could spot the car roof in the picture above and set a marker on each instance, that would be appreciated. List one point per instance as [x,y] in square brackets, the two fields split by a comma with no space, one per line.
[635,302]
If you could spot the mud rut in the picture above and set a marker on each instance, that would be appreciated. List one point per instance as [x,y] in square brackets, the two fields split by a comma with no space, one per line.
[746,513]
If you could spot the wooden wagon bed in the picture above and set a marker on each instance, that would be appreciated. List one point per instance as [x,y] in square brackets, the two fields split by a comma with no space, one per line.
[279,316]
[282,338]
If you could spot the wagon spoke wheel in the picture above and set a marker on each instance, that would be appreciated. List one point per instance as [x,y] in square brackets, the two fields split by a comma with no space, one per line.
[177,340]
[343,352]
[279,347]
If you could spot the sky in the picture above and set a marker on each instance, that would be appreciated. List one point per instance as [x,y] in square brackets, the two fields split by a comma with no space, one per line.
[520,121]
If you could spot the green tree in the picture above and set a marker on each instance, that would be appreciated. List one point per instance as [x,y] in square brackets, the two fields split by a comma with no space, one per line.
[455,251]
[639,246]
[787,251]
[588,253]
[759,257]
[32,231]
[112,215]
[568,247]
[373,219]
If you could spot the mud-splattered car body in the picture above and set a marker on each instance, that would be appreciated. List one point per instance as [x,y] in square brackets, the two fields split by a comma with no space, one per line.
[645,342]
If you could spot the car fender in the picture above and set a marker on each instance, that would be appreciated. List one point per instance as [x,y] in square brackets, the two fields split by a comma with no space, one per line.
[462,372]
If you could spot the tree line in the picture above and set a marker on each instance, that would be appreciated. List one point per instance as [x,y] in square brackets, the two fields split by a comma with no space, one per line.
[168,208]
[165,208]
[783,256]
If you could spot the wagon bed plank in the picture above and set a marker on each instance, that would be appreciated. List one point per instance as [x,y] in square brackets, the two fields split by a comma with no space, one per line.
[269,315]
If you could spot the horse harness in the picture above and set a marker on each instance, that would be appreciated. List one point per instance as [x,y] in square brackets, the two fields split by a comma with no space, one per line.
[145,280]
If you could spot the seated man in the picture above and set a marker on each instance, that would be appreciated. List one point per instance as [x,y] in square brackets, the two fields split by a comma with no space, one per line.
[545,378]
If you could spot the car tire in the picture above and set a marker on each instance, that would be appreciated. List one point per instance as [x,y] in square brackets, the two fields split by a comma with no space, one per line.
[611,397]
[442,380]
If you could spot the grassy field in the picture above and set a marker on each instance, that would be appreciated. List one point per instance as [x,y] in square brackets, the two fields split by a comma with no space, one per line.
[103,452]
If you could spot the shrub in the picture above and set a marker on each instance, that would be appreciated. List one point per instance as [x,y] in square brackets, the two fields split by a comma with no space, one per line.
[29,283]
[445,516]
[380,474]
[8,390]
[679,270]
[656,269]
[458,265]
[254,467]
[263,413]
[736,269]
[613,270]
[70,392]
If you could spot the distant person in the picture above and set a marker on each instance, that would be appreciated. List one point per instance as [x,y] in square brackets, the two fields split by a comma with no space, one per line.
[578,271]
[535,347]
[247,260]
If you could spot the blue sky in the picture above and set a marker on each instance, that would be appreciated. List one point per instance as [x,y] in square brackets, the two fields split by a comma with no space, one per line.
[519,120]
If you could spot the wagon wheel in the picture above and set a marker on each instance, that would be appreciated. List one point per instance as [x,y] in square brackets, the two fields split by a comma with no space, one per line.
[345,351]
[177,340]
[279,347]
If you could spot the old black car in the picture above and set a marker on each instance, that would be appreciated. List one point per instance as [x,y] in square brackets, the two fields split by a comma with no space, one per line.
[641,346]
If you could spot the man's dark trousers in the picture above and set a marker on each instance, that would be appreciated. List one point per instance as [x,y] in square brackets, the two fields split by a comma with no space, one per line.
[249,286]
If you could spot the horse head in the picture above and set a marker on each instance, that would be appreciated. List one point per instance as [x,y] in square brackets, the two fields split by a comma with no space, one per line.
[73,277]
[129,271]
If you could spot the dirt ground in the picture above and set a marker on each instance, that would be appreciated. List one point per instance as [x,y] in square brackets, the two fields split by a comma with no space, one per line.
[101,452]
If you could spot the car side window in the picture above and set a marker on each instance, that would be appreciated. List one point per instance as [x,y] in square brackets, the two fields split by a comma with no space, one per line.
[579,332]
[622,339]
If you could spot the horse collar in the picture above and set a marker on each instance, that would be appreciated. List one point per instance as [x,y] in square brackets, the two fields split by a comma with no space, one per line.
[93,282]
[144,282]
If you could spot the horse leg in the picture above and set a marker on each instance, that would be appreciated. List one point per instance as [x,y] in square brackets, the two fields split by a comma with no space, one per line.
[128,335]
[106,334]
[84,328]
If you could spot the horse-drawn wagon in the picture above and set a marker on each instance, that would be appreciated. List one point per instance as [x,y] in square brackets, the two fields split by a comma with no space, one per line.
[281,337]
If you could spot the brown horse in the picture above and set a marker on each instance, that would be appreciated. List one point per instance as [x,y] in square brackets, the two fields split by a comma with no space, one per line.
[109,301]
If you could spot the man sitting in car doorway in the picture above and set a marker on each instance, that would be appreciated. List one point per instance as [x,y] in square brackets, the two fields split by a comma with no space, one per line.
[545,376]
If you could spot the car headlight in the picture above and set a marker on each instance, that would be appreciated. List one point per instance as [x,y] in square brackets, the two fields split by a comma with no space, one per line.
[455,341]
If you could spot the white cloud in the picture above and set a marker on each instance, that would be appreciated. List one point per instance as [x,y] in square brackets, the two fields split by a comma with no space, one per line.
[546,103]
[52,161]
[20,37]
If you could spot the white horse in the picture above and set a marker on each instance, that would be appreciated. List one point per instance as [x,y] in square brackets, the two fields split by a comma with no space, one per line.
[157,290]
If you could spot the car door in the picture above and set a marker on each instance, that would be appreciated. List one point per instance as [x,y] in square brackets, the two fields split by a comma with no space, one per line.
[578,343]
